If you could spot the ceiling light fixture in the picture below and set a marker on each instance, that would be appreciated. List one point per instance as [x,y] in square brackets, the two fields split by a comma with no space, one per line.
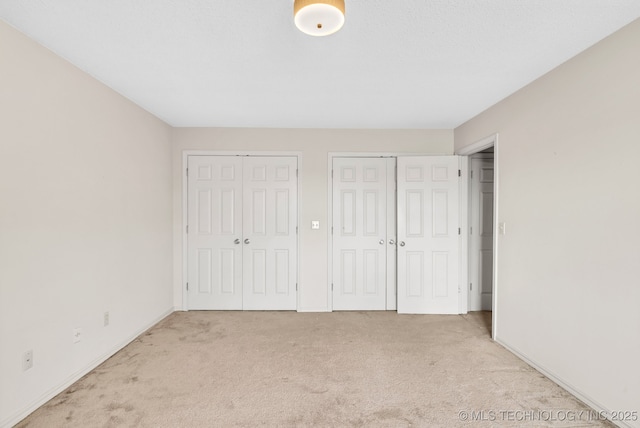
[318,17]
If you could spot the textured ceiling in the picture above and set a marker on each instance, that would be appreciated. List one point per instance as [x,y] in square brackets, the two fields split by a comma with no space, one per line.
[243,63]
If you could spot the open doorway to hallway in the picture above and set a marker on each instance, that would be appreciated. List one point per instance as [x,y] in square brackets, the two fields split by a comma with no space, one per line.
[481,172]
[481,234]
[481,319]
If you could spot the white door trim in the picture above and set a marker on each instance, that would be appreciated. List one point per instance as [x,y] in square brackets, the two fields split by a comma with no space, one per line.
[478,146]
[463,272]
[185,218]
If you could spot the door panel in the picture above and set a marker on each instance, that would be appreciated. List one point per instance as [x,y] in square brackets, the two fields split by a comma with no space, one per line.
[481,239]
[214,213]
[270,239]
[242,244]
[415,261]
[360,248]
[428,234]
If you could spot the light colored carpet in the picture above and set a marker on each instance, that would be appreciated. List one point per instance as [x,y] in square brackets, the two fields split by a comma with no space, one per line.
[363,369]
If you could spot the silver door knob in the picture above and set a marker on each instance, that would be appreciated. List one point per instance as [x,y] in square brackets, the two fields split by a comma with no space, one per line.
[246,241]
[402,243]
[382,242]
[237,241]
[391,242]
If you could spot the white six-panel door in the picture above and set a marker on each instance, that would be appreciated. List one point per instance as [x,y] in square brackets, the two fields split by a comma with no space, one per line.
[428,240]
[269,238]
[362,253]
[215,232]
[481,235]
[242,246]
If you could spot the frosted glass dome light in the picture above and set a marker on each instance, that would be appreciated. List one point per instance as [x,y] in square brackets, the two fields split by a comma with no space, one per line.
[318,17]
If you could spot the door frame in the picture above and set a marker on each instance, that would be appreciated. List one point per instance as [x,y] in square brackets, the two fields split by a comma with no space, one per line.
[185,217]
[465,154]
[330,157]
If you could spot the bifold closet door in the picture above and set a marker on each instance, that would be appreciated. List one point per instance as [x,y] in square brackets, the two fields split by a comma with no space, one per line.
[242,240]
[363,244]
[428,239]
[214,237]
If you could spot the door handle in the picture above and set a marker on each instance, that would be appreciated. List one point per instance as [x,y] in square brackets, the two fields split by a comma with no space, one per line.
[246,241]
[237,241]
[382,242]
[391,242]
[402,243]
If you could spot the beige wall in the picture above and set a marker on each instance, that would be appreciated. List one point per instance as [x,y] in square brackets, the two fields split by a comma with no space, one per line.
[568,152]
[85,222]
[314,147]
[86,214]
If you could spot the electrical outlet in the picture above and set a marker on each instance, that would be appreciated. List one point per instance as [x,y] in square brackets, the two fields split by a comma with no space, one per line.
[77,335]
[27,360]
[106,319]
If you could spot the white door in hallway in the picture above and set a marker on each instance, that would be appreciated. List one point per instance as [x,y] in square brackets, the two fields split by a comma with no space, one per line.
[428,235]
[363,244]
[242,237]
[269,238]
[481,235]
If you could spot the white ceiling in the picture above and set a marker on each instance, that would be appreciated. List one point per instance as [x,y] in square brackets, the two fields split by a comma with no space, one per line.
[243,63]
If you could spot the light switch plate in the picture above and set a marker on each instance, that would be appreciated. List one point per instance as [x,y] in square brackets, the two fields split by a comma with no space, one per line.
[77,335]
[315,224]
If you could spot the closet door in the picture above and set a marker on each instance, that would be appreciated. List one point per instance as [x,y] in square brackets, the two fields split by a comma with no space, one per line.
[428,240]
[360,237]
[269,233]
[242,237]
[215,232]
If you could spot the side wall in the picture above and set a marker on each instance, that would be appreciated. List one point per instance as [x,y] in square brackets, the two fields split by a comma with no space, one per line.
[85,222]
[314,147]
[568,289]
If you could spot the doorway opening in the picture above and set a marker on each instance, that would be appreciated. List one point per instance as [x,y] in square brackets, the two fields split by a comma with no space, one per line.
[481,238]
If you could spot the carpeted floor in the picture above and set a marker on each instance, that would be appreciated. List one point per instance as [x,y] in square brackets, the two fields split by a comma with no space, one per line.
[341,369]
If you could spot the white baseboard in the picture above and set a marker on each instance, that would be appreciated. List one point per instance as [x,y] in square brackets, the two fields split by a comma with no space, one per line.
[323,309]
[27,410]
[586,399]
